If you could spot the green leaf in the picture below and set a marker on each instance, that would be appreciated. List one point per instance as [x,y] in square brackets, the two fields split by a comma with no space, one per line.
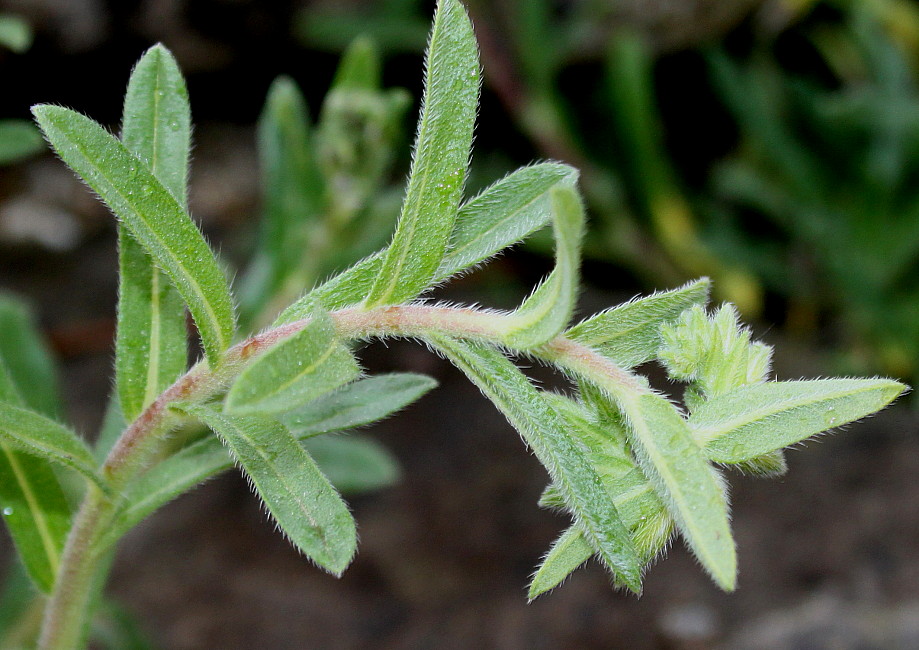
[27,358]
[567,553]
[359,68]
[500,216]
[302,501]
[15,33]
[293,192]
[354,464]
[630,333]
[152,214]
[35,512]
[544,431]
[35,434]
[756,420]
[113,425]
[18,139]
[151,341]
[358,403]
[666,451]
[441,158]
[547,311]
[19,602]
[308,364]
[503,214]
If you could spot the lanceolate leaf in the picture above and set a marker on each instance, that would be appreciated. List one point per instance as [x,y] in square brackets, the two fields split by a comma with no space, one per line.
[299,497]
[27,358]
[666,451]
[353,464]
[358,403]
[547,311]
[500,216]
[441,157]
[544,431]
[756,420]
[35,434]
[151,343]
[503,214]
[153,215]
[630,333]
[309,364]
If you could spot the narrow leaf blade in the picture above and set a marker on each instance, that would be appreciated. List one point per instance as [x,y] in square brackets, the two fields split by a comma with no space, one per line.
[544,431]
[152,214]
[630,333]
[150,345]
[27,431]
[303,367]
[547,311]
[759,419]
[354,464]
[358,403]
[302,501]
[442,151]
[27,358]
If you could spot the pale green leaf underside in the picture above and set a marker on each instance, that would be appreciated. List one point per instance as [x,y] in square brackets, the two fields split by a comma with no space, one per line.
[669,456]
[35,434]
[547,311]
[152,214]
[300,368]
[756,420]
[630,333]
[441,157]
[358,403]
[544,431]
[299,497]
[151,341]
[502,215]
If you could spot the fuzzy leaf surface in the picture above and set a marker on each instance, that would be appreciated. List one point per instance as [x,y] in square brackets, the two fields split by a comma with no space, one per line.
[544,431]
[151,340]
[503,214]
[153,216]
[27,431]
[299,497]
[759,419]
[630,333]
[358,403]
[547,311]
[308,364]
[441,157]
[668,454]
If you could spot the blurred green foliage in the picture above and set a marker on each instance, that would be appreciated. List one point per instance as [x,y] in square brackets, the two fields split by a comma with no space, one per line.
[813,203]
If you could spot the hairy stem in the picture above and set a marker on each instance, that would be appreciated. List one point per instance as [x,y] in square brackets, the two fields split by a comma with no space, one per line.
[67,612]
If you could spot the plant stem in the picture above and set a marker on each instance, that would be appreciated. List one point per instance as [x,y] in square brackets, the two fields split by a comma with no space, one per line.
[67,613]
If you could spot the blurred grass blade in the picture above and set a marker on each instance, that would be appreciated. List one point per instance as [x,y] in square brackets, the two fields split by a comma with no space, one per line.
[441,157]
[666,451]
[308,364]
[151,342]
[27,358]
[301,500]
[630,333]
[756,420]
[544,431]
[358,403]
[547,311]
[35,434]
[354,464]
[503,214]
[152,214]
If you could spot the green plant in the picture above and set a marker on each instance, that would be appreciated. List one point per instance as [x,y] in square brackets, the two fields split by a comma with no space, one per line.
[629,465]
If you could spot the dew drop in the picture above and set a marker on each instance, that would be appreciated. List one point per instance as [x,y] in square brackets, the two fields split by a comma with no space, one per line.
[7,511]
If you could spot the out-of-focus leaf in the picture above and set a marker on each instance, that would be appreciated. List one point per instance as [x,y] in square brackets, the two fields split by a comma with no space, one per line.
[27,358]
[354,464]
[358,403]
[15,33]
[18,139]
